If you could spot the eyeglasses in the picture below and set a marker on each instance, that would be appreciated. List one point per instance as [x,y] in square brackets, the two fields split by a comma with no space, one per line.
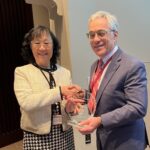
[45,44]
[100,33]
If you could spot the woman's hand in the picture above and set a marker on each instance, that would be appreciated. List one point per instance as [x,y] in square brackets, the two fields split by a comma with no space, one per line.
[73,105]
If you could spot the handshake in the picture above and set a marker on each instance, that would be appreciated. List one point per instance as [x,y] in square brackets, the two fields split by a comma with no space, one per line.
[74,96]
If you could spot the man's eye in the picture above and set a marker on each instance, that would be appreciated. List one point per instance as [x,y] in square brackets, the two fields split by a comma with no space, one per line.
[101,33]
[92,34]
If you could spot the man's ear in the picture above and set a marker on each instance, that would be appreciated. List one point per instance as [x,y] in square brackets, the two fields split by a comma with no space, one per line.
[115,35]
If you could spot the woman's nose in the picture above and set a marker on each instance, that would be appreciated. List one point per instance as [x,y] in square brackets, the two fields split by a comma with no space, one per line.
[41,46]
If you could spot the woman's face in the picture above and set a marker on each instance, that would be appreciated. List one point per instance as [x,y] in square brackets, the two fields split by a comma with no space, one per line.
[42,49]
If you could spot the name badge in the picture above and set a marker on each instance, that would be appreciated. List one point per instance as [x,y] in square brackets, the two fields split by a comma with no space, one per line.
[87,138]
[57,119]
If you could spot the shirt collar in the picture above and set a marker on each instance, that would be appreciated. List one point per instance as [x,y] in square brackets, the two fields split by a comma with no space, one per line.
[104,59]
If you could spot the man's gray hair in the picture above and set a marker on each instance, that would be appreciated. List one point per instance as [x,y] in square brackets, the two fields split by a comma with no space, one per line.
[112,20]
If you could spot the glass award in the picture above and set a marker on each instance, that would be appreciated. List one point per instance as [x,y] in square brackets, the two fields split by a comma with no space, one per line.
[86,109]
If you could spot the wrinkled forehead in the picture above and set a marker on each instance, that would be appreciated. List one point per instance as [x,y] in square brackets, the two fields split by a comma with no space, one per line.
[39,34]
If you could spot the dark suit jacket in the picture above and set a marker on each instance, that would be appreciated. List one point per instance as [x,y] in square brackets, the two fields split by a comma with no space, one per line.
[122,104]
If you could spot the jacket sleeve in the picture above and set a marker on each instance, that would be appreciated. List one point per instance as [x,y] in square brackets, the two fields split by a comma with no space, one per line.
[29,98]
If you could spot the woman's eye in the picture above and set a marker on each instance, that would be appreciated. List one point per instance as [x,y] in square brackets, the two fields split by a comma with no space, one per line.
[36,42]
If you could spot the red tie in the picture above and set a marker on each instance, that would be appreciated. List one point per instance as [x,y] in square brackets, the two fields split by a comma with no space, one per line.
[94,84]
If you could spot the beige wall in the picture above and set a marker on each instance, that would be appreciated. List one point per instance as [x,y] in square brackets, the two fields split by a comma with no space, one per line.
[40,15]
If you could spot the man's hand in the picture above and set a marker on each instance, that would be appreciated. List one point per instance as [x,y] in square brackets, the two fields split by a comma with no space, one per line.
[89,125]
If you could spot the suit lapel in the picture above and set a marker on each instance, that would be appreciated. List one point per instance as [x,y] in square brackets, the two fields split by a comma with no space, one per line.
[112,68]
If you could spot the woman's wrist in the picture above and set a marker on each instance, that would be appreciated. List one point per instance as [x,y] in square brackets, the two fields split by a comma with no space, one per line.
[68,112]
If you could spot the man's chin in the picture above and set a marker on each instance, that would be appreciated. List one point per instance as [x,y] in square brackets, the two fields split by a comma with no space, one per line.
[101,53]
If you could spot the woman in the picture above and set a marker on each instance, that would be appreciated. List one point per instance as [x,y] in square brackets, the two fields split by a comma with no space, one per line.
[40,87]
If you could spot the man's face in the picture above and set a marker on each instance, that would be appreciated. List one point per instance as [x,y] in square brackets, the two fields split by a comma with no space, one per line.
[102,38]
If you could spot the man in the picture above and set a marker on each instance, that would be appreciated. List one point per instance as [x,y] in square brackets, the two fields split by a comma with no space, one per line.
[121,94]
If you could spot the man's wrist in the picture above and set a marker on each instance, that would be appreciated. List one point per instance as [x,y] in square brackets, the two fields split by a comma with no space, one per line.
[101,126]
[100,123]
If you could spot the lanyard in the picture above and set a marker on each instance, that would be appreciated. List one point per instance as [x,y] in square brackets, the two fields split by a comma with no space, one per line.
[51,80]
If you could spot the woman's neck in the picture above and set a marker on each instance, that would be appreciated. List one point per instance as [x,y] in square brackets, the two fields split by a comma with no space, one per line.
[48,68]
[43,66]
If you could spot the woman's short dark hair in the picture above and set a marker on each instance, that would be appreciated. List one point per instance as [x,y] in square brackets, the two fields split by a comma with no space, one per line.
[36,32]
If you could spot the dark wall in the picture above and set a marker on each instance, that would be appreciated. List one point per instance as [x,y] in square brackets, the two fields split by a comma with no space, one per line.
[15,20]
